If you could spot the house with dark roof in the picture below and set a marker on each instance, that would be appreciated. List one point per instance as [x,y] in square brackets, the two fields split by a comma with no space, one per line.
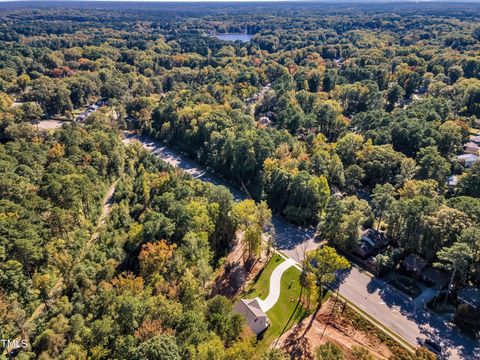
[414,264]
[470,296]
[256,318]
[435,277]
[370,241]
[363,249]
[377,239]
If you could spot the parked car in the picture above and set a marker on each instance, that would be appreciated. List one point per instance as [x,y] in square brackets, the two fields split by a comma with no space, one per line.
[433,346]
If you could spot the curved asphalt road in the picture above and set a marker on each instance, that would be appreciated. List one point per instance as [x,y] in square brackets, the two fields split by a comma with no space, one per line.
[409,320]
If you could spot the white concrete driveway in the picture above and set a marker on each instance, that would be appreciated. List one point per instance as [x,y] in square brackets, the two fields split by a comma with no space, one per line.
[274,292]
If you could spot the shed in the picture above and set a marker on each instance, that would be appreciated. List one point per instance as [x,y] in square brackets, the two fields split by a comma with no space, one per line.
[256,318]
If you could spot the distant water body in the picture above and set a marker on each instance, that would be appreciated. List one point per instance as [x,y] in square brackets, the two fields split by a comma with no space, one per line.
[234,37]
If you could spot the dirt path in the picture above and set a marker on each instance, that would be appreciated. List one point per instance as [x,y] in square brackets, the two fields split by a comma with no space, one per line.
[56,289]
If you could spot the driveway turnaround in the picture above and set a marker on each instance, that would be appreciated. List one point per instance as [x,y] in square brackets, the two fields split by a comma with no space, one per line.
[275,279]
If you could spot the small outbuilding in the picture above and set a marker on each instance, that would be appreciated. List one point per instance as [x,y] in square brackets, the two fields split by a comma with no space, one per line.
[265,121]
[256,318]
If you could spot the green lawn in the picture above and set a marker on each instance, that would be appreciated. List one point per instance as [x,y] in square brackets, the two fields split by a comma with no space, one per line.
[286,312]
[260,286]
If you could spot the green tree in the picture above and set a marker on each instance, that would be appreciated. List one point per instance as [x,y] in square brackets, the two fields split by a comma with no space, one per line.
[158,347]
[455,258]
[324,263]
[394,95]
[383,197]
[273,354]
[227,325]
[433,166]
[362,353]
[469,184]
[329,351]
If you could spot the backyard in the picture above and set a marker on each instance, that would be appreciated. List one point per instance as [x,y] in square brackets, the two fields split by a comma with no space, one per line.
[288,310]
[407,286]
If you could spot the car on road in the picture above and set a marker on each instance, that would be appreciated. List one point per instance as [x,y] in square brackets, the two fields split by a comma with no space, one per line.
[433,346]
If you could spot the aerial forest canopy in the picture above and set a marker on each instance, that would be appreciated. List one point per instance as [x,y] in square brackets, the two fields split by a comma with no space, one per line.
[340,117]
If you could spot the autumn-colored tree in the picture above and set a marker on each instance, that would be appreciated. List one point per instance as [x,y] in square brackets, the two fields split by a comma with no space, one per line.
[154,258]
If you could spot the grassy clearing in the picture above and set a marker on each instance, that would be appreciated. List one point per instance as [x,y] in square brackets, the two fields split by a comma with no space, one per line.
[288,311]
[260,286]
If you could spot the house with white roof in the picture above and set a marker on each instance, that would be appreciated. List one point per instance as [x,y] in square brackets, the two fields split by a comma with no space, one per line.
[475,139]
[467,159]
[256,318]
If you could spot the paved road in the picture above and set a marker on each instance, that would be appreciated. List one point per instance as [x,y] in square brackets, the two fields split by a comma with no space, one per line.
[274,285]
[404,317]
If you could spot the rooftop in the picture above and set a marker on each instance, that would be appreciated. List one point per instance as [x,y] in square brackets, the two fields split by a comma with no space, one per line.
[254,307]
[468,157]
[415,263]
[470,295]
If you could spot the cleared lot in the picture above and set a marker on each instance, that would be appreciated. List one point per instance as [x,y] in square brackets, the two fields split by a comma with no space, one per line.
[50,124]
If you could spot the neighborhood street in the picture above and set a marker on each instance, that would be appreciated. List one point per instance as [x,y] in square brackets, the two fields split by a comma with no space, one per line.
[408,319]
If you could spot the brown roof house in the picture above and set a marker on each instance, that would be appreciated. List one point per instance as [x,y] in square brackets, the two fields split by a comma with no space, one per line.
[257,320]
[471,148]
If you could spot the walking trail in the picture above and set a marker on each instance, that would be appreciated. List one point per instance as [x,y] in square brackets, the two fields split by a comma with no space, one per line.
[275,279]
[106,205]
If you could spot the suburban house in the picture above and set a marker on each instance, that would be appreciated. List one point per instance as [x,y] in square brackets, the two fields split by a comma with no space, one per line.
[257,320]
[467,159]
[475,139]
[363,249]
[371,240]
[377,238]
[265,121]
[470,296]
[415,264]
[434,277]
[471,148]
[452,182]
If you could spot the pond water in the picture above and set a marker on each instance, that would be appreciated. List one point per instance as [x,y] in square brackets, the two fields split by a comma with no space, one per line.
[234,37]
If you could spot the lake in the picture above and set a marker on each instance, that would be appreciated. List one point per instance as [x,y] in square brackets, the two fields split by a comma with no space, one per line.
[234,37]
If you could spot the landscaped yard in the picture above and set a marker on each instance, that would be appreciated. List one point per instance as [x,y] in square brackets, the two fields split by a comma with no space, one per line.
[288,310]
[408,286]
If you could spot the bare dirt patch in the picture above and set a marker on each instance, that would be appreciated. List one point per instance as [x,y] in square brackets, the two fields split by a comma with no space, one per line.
[237,272]
[340,330]
[49,124]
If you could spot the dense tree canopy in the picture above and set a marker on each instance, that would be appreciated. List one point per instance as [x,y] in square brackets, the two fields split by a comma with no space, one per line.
[341,117]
